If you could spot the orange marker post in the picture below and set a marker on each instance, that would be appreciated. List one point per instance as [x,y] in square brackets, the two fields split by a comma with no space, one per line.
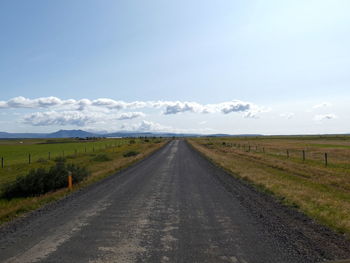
[70,181]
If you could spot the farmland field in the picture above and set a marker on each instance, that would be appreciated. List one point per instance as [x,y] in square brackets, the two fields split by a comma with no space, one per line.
[294,169]
[102,157]
[17,151]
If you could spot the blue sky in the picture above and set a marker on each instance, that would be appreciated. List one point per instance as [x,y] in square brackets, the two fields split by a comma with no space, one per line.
[263,66]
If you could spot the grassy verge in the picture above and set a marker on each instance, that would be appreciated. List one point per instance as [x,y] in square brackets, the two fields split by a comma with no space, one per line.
[320,192]
[101,164]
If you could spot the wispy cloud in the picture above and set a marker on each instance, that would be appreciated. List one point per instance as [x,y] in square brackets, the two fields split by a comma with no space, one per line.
[130,115]
[53,111]
[179,107]
[150,126]
[60,118]
[321,117]
[288,115]
[170,107]
[322,105]
[76,118]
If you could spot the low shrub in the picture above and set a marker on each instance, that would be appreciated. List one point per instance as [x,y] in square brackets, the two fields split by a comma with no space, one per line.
[41,181]
[130,153]
[102,157]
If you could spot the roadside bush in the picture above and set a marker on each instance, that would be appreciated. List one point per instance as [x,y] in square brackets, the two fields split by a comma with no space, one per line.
[132,142]
[101,158]
[41,181]
[130,153]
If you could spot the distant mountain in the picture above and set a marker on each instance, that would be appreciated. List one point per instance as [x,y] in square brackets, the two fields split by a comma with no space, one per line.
[120,134]
[84,134]
[148,134]
[70,134]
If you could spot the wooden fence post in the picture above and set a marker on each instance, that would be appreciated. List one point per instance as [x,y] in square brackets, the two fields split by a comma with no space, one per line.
[29,159]
[2,162]
[303,155]
[326,159]
[70,181]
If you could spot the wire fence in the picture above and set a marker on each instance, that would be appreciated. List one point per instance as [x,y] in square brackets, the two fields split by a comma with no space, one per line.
[339,159]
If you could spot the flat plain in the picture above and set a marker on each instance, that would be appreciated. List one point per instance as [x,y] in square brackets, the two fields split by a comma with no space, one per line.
[173,206]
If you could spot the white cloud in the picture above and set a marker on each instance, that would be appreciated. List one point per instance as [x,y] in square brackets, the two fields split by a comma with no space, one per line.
[60,118]
[130,115]
[177,107]
[150,126]
[322,117]
[99,112]
[109,103]
[170,107]
[288,115]
[322,105]
[235,106]
[76,118]
[145,126]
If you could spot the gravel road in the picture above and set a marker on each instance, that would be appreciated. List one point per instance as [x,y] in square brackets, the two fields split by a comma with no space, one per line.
[173,206]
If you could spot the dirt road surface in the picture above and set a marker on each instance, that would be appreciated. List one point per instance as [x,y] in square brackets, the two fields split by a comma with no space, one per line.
[174,206]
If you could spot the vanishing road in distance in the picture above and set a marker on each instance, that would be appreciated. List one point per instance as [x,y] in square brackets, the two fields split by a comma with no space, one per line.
[174,206]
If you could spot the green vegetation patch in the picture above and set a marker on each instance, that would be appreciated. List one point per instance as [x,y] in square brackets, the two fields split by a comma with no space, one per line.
[101,157]
[130,153]
[41,181]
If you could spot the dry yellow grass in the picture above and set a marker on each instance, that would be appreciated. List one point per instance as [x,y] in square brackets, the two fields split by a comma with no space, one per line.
[321,192]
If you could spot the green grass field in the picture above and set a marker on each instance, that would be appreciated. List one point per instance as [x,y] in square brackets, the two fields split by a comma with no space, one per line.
[101,157]
[17,151]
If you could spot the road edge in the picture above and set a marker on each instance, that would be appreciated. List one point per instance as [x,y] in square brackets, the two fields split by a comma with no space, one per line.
[331,235]
[4,226]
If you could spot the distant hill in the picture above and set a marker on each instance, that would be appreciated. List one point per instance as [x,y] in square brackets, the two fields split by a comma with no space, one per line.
[71,133]
[121,134]
[84,134]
